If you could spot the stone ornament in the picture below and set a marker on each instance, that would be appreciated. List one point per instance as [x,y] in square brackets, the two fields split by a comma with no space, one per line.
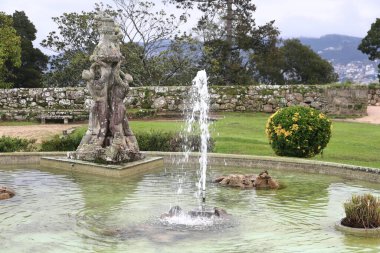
[109,138]
[262,181]
[6,192]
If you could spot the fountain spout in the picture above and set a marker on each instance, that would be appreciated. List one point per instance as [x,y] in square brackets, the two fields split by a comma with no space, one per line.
[198,121]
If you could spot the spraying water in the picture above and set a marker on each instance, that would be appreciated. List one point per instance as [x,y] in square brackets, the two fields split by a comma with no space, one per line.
[197,120]
[197,124]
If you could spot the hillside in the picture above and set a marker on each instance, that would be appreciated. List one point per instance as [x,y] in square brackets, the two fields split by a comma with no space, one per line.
[341,50]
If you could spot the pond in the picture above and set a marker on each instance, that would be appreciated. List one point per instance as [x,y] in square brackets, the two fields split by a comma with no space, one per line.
[55,211]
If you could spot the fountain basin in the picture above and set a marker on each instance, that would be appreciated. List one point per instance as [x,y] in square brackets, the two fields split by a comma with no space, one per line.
[93,213]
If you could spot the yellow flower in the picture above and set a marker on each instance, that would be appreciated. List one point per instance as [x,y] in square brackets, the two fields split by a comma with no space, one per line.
[295,127]
[310,128]
[321,116]
[296,117]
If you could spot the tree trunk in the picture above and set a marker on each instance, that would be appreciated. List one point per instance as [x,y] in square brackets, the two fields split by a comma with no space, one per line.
[229,18]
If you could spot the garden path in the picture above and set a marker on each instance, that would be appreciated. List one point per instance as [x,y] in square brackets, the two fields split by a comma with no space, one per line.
[373,116]
[39,132]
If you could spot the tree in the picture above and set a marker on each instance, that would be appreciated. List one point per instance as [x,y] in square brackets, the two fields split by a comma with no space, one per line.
[73,44]
[10,49]
[370,44]
[267,65]
[303,66]
[292,63]
[33,61]
[159,44]
[230,33]
[150,44]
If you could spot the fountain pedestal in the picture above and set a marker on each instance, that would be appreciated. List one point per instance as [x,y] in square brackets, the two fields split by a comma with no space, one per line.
[109,170]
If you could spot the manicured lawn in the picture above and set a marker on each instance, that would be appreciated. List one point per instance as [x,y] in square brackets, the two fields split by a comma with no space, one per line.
[351,143]
[243,133]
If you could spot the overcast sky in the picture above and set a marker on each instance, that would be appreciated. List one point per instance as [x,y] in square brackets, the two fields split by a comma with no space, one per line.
[294,18]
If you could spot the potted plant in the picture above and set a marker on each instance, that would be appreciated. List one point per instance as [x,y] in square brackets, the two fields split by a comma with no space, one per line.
[362,216]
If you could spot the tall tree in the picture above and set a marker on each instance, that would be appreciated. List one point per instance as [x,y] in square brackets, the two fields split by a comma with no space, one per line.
[228,27]
[72,44]
[33,61]
[292,63]
[160,45]
[304,66]
[370,44]
[150,45]
[10,49]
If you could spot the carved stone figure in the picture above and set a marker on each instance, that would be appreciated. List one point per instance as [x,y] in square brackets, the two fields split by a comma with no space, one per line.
[109,137]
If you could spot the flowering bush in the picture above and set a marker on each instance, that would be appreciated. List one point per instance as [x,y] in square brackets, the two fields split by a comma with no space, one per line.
[298,131]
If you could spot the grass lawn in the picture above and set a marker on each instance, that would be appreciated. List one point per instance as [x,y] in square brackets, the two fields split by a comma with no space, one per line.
[244,133]
[18,123]
[351,143]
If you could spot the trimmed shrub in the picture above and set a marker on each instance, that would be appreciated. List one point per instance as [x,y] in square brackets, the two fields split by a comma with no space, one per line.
[298,131]
[154,140]
[148,141]
[13,144]
[362,212]
[168,141]
[63,143]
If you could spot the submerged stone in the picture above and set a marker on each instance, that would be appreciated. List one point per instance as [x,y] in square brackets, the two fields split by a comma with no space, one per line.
[6,192]
[262,181]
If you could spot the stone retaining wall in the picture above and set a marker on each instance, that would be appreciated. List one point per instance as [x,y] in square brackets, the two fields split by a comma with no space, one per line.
[21,104]
[374,96]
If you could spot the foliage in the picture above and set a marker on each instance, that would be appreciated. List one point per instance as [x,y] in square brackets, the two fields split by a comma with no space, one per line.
[10,49]
[229,33]
[154,140]
[374,86]
[13,144]
[292,63]
[142,114]
[370,44]
[73,43]
[63,143]
[298,131]
[66,69]
[33,61]
[304,66]
[155,53]
[362,211]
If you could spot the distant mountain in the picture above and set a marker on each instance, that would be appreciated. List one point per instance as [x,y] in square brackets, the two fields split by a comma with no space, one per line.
[342,51]
[339,49]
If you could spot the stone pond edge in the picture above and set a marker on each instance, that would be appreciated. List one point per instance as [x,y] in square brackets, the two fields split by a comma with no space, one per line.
[250,161]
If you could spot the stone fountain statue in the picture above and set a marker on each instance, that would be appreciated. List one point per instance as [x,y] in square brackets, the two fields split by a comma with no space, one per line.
[109,138]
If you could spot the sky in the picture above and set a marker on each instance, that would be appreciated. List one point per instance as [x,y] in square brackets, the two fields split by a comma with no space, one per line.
[294,18]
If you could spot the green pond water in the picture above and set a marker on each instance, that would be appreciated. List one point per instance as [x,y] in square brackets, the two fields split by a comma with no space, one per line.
[55,211]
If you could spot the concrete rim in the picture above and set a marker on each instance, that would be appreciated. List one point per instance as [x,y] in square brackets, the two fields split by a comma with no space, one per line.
[216,159]
[362,232]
